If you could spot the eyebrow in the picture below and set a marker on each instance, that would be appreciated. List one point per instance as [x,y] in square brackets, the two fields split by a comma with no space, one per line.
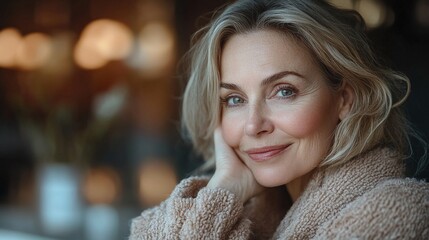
[264,82]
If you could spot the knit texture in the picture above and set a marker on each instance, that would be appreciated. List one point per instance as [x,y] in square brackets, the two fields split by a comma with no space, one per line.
[366,198]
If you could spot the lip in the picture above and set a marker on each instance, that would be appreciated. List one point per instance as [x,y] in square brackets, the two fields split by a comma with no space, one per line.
[266,153]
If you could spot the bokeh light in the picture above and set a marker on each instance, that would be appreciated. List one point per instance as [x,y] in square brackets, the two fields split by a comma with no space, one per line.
[156,48]
[373,12]
[27,53]
[101,41]
[101,186]
[157,179]
[10,41]
[35,50]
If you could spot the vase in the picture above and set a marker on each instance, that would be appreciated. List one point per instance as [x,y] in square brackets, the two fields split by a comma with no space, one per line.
[60,204]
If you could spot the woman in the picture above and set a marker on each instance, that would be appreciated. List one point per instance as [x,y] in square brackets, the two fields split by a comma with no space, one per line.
[288,93]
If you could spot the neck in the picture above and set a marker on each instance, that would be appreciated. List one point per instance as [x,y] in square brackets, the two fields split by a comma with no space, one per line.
[298,185]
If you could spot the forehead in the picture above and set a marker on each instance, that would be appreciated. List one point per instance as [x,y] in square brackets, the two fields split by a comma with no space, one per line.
[260,53]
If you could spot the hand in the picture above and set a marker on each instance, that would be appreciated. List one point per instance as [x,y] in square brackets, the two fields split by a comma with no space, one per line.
[231,173]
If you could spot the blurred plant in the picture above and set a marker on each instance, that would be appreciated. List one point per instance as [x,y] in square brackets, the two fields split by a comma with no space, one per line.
[64,120]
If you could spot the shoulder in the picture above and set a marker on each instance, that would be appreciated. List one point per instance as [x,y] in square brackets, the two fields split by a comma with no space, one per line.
[405,198]
[405,201]
[394,208]
[398,191]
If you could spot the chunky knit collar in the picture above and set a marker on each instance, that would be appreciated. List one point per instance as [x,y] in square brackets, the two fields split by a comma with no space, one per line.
[332,188]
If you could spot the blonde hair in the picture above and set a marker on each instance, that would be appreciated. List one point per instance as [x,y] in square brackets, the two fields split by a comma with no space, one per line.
[337,41]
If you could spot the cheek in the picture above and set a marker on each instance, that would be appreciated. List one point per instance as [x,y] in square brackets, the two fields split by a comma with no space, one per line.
[305,121]
[231,129]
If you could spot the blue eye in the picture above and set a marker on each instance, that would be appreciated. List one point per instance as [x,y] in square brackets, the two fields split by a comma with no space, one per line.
[285,92]
[232,101]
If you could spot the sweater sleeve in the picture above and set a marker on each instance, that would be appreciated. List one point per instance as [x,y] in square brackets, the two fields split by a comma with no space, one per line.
[396,209]
[193,212]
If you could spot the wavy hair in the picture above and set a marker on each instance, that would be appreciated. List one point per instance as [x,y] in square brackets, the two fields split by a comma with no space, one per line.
[336,39]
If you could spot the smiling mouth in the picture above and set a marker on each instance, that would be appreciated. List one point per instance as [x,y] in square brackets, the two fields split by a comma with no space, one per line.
[266,153]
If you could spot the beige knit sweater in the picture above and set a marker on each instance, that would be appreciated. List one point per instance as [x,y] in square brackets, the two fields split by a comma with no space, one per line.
[367,198]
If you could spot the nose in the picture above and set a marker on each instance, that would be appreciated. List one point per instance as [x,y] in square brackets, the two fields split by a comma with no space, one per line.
[258,121]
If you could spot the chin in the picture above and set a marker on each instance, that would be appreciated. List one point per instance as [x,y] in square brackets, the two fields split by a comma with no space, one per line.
[270,180]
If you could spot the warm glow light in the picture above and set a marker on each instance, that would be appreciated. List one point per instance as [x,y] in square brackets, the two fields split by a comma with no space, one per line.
[101,41]
[345,4]
[373,12]
[156,46]
[34,52]
[10,41]
[88,57]
[101,186]
[156,181]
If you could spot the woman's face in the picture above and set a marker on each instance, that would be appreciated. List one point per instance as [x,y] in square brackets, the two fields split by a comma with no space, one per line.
[278,113]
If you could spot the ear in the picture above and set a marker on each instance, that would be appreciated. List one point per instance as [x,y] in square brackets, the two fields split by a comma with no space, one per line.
[345,101]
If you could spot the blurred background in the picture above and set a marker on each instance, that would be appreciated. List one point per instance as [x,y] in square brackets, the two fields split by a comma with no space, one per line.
[90,104]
